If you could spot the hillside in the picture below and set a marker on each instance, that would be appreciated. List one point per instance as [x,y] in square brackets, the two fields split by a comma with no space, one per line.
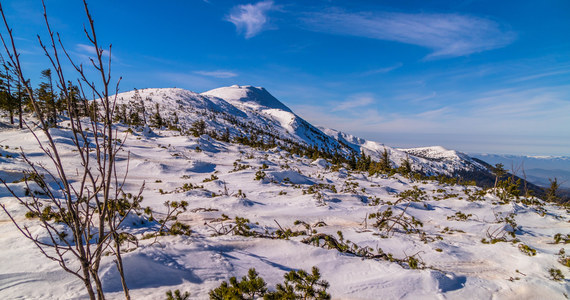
[396,236]
[247,111]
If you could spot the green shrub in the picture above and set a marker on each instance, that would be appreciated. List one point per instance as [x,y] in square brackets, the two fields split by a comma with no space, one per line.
[559,238]
[459,216]
[556,274]
[412,262]
[177,295]
[260,175]
[212,178]
[527,250]
[250,287]
[298,285]
[301,285]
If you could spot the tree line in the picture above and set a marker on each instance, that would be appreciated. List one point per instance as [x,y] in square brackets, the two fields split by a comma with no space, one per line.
[51,101]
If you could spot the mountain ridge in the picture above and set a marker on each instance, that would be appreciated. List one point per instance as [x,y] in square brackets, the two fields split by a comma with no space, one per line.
[252,112]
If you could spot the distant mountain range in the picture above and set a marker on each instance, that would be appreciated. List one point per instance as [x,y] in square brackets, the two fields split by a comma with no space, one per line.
[539,169]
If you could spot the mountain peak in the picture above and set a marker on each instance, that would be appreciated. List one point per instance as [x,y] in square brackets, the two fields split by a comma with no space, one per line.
[255,97]
[437,153]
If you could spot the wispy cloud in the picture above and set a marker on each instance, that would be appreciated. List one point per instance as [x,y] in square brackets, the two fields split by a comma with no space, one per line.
[89,50]
[447,35]
[355,101]
[498,120]
[417,98]
[435,113]
[251,18]
[382,70]
[546,105]
[541,75]
[217,74]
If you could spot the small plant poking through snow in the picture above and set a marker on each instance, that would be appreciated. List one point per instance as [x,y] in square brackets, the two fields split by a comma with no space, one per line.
[250,287]
[387,221]
[211,178]
[240,194]
[556,274]
[527,250]
[260,175]
[459,216]
[559,238]
[240,226]
[301,285]
[298,285]
[174,209]
[413,195]
[177,295]
[563,259]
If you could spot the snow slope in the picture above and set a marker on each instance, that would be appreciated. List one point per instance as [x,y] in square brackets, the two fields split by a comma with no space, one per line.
[242,110]
[457,264]
[430,160]
[254,97]
[246,108]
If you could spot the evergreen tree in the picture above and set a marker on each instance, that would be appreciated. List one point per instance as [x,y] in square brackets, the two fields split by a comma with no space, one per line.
[139,109]
[8,101]
[93,111]
[384,164]
[499,171]
[46,96]
[20,96]
[174,124]
[77,104]
[250,287]
[406,166]
[199,128]
[22,100]
[352,161]
[177,295]
[156,118]
[363,162]
[226,135]
[134,115]
[552,190]
[301,285]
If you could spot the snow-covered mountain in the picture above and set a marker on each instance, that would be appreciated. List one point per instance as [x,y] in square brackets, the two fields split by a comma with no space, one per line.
[430,160]
[246,110]
[371,236]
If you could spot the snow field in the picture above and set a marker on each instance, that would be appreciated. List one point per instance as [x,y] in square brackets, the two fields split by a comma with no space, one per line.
[458,266]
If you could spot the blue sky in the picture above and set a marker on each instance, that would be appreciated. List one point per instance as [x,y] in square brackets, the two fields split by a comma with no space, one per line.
[476,76]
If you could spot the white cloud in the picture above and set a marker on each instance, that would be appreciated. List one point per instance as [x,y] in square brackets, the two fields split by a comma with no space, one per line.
[251,18]
[217,74]
[85,53]
[88,50]
[541,75]
[435,113]
[355,101]
[447,35]
[382,70]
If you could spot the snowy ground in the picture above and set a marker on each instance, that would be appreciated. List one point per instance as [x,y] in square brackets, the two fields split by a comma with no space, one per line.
[457,264]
